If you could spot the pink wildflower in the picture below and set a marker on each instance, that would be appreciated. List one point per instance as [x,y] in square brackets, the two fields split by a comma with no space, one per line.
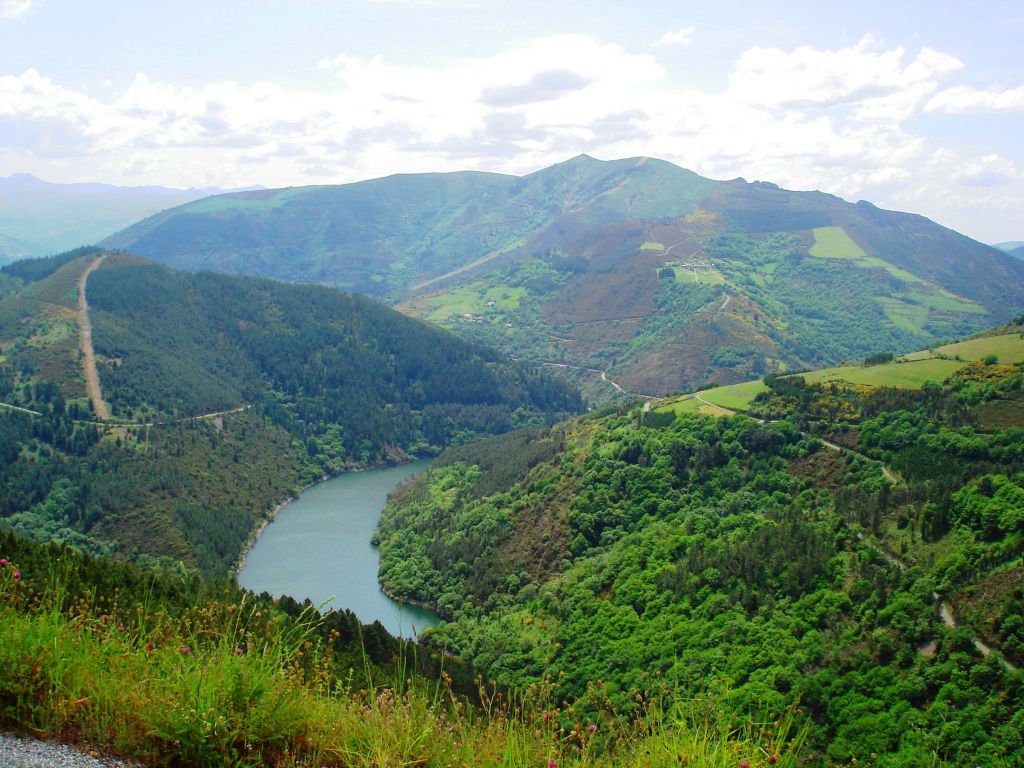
[744,764]
[17,575]
[149,645]
[3,562]
[186,649]
[591,728]
[552,763]
[120,629]
[773,759]
[239,651]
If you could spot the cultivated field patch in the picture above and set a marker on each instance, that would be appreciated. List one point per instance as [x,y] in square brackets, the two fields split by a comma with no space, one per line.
[1009,348]
[908,375]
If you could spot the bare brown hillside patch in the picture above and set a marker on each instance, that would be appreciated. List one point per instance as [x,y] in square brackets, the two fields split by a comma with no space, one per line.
[825,469]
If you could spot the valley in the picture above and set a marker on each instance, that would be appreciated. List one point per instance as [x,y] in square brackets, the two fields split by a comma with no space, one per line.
[220,397]
[789,492]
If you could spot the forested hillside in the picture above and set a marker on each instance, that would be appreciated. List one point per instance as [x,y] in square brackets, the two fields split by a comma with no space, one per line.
[811,558]
[638,269]
[226,394]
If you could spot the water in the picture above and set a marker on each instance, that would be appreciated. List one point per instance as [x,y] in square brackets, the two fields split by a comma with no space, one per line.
[318,546]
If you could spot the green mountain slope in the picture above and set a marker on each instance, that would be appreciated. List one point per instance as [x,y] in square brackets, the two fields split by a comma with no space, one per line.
[750,562]
[225,394]
[639,269]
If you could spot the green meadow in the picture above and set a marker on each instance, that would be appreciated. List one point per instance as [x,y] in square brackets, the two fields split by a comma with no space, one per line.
[1009,348]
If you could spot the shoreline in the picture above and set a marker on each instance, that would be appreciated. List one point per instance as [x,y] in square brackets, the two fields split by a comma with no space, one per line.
[412,601]
[254,536]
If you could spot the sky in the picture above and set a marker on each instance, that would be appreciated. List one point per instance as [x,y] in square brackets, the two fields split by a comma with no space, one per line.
[915,106]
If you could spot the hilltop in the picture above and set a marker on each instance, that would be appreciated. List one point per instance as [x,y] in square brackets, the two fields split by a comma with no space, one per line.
[215,398]
[636,269]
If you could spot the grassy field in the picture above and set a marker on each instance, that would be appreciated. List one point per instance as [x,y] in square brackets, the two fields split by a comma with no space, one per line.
[691,405]
[734,397]
[1009,348]
[650,245]
[706,276]
[472,299]
[834,243]
[910,375]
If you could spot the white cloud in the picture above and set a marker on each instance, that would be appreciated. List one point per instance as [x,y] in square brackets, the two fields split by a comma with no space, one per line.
[11,9]
[963,99]
[679,37]
[875,84]
[807,119]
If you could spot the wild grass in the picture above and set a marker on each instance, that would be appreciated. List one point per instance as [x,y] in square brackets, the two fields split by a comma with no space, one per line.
[237,684]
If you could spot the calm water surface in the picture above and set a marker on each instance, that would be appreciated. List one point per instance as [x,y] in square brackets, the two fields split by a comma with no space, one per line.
[318,546]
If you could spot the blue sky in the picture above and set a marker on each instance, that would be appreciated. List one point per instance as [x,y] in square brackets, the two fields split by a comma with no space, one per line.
[917,106]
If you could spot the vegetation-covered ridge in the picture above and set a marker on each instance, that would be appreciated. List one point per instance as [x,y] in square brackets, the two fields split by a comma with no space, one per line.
[771,562]
[638,269]
[190,674]
[292,383]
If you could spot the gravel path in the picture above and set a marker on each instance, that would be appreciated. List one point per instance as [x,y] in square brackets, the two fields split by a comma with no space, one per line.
[92,378]
[19,752]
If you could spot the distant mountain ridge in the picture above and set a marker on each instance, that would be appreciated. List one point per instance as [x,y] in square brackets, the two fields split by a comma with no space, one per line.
[1014,248]
[637,268]
[45,217]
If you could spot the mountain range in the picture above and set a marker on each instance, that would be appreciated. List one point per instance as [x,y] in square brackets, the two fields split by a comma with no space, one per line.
[631,276]
[39,217]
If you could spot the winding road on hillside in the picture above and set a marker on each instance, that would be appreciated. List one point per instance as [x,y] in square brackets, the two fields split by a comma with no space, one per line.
[603,375]
[92,378]
[945,610]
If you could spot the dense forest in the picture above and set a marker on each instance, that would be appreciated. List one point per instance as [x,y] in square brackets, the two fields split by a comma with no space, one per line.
[227,395]
[801,560]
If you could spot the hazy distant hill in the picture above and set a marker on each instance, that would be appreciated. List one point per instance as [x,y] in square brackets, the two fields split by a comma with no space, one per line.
[1014,248]
[12,249]
[639,269]
[50,218]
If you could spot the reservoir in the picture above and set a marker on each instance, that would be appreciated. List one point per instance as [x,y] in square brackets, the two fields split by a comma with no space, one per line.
[318,546]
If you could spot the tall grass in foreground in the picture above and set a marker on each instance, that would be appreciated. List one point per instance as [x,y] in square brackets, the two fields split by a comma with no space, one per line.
[229,683]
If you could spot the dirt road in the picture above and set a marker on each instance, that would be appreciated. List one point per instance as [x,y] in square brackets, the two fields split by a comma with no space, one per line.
[92,379]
